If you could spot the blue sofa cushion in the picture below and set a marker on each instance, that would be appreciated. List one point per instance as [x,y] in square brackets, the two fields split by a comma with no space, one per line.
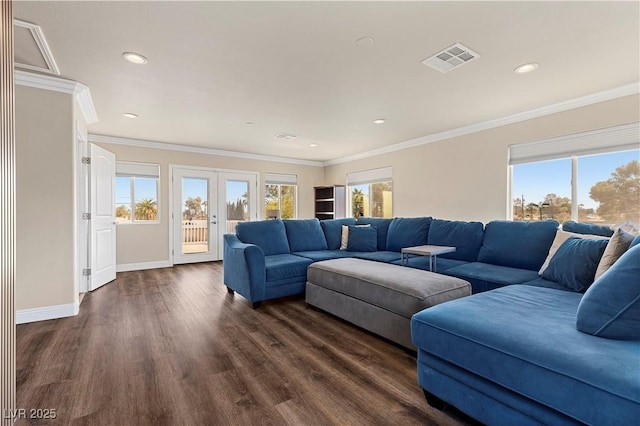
[485,276]
[362,239]
[574,264]
[269,235]
[382,227]
[524,338]
[407,232]
[587,228]
[541,282]
[466,237]
[635,242]
[318,255]
[332,229]
[611,306]
[522,245]
[380,256]
[285,266]
[305,235]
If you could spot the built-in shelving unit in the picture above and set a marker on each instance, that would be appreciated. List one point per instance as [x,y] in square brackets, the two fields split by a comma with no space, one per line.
[330,202]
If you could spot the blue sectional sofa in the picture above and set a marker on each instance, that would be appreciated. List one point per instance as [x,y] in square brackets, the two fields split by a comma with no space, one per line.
[268,259]
[537,342]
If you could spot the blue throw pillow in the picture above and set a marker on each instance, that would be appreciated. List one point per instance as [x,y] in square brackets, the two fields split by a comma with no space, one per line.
[382,227]
[407,232]
[635,242]
[333,231]
[269,235]
[611,306]
[574,264]
[362,238]
[305,235]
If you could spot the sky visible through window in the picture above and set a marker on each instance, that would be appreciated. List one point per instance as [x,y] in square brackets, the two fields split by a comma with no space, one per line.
[535,180]
[145,188]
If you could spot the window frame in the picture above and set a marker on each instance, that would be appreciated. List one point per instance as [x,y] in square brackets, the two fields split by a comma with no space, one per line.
[133,170]
[611,140]
[280,180]
[369,178]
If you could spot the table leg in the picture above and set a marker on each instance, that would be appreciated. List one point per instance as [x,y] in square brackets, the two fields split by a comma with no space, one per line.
[431,263]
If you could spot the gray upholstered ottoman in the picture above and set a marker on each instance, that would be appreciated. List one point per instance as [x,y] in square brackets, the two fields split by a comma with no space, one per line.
[379,297]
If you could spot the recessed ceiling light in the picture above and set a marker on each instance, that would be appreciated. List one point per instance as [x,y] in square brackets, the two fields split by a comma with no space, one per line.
[379,121]
[313,145]
[365,42]
[135,58]
[286,136]
[130,115]
[249,123]
[525,68]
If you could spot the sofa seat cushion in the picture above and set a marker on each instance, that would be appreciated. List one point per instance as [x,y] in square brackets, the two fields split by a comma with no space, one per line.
[403,291]
[407,232]
[422,262]
[541,282]
[319,255]
[283,266]
[379,256]
[485,276]
[382,227]
[269,235]
[305,234]
[524,339]
[466,237]
[523,245]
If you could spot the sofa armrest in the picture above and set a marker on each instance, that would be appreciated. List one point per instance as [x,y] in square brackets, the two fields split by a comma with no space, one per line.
[244,268]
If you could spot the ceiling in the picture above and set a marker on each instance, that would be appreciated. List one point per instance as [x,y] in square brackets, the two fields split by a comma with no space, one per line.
[295,67]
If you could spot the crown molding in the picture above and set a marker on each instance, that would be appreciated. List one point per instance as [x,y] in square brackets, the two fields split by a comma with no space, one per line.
[198,150]
[80,92]
[618,92]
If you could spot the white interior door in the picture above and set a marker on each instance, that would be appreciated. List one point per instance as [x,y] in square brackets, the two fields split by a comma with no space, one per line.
[240,194]
[103,224]
[195,215]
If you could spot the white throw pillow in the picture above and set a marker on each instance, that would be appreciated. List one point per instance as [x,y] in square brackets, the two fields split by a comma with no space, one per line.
[618,244]
[561,237]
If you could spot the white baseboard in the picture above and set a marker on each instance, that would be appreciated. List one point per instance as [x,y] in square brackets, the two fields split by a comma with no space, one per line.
[144,265]
[24,316]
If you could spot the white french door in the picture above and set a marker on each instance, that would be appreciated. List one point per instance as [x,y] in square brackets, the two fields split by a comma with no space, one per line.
[195,215]
[206,204]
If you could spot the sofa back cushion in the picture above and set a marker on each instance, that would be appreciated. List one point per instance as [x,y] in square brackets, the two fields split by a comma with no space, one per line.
[407,232]
[382,228]
[269,235]
[305,235]
[466,237]
[521,245]
[587,228]
[611,306]
[332,229]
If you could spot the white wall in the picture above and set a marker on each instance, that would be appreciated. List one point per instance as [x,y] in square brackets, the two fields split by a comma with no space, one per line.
[145,243]
[466,178]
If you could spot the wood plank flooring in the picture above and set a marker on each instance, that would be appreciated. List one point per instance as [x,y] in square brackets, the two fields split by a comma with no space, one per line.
[172,347]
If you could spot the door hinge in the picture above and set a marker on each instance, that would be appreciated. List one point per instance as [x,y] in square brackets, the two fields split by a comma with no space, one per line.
[86,160]
[86,216]
[86,272]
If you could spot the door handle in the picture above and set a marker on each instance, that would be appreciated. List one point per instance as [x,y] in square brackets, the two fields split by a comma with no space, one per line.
[214,222]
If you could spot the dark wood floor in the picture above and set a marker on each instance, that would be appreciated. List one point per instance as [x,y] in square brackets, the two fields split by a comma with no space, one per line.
[170,346]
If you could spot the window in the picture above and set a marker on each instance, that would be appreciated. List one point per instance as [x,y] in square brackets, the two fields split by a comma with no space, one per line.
[280,196]
[588,177]
[137,192]
[371,193]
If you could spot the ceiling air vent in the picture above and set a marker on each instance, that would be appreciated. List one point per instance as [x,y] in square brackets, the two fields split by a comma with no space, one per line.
[286,136]
[450,58]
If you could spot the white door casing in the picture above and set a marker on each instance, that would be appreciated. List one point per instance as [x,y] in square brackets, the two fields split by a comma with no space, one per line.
[103,225]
